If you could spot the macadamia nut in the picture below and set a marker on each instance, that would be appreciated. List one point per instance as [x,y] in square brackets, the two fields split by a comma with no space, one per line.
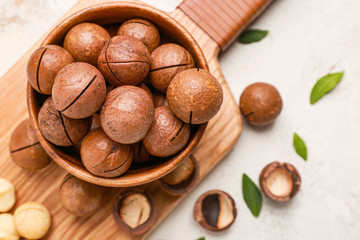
[43,66]
[143,30]
[195,96]
[25,148]
[85,41]
[7,228]
[32,220]
[7,195]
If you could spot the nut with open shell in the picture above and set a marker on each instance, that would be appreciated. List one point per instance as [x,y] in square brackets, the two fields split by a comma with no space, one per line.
[134,211]
[215,210]
[280,181]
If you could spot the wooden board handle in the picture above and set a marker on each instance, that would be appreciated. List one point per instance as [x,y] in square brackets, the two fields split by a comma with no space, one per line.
[223,20]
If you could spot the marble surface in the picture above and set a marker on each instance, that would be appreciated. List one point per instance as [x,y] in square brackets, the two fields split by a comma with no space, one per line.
[307,40]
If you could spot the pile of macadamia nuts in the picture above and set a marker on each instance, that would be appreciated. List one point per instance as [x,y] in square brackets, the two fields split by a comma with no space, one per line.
[122,99]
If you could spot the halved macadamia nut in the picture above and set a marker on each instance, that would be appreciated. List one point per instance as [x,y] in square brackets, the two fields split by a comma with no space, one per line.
[215,210]
[134,211]
[182,179]
[280,181]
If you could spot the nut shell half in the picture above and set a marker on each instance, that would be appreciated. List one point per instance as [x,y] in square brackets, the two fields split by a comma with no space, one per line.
[134,211]
[183,179]
[215,210]
[280,181]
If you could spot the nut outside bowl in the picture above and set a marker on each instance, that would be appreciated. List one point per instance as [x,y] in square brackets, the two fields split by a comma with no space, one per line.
[106,14]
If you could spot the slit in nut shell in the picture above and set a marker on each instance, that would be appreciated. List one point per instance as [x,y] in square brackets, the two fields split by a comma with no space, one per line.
[182,179]
[280,181]
[134,211]
[215,210]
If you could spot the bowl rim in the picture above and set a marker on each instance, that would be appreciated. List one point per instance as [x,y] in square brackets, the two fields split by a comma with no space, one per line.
[125,180]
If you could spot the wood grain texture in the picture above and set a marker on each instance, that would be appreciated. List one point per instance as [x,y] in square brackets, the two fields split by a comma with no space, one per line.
[223,20]
[222,133]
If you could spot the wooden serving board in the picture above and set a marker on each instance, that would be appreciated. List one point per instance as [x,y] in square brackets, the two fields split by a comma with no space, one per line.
[221,134]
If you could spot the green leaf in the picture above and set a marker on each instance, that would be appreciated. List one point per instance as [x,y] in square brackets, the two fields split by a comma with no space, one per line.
[325,85]
[202,238]
[252,35]
[300,146]
[252,195]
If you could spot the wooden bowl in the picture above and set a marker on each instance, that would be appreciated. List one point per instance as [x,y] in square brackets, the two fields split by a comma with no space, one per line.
[106,14]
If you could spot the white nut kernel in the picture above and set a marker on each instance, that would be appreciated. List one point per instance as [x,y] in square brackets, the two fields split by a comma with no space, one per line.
[7,195]
[32,220]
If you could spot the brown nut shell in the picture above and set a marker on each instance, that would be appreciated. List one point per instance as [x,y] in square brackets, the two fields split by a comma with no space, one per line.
[127,114]
[104,157]
[280,181]
[140,154]
[145,87]
[124,60]
[167,134]
[166,61]
[80,198]
[134,211]
[85,41]
[59,129]
[43,66]
[183,179]
[143,30]
[194,96]
[215,210]
[260,103]
[25,148]
[79,90]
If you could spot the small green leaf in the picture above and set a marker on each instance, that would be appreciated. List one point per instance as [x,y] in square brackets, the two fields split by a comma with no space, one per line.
[325,85]
[300,146]
[252,35]
[252,195]
[202,238]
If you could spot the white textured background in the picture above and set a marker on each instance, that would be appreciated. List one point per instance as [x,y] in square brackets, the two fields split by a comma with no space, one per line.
[308,39]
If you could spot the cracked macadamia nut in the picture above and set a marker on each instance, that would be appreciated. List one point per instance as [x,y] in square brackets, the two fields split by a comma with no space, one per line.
[280,181]
[104,157]
[182,179]
[215,210]
[166,61]
[134,211]
[85,41]
[32,220]
[7,195]
[140,154]
[167,134]
[260,103]
[7,228]
[127,114]
[143,30]
[80,198]
[124,60]
[194,96]
[79,90]
[25,148]
[59,129]
[43,66]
